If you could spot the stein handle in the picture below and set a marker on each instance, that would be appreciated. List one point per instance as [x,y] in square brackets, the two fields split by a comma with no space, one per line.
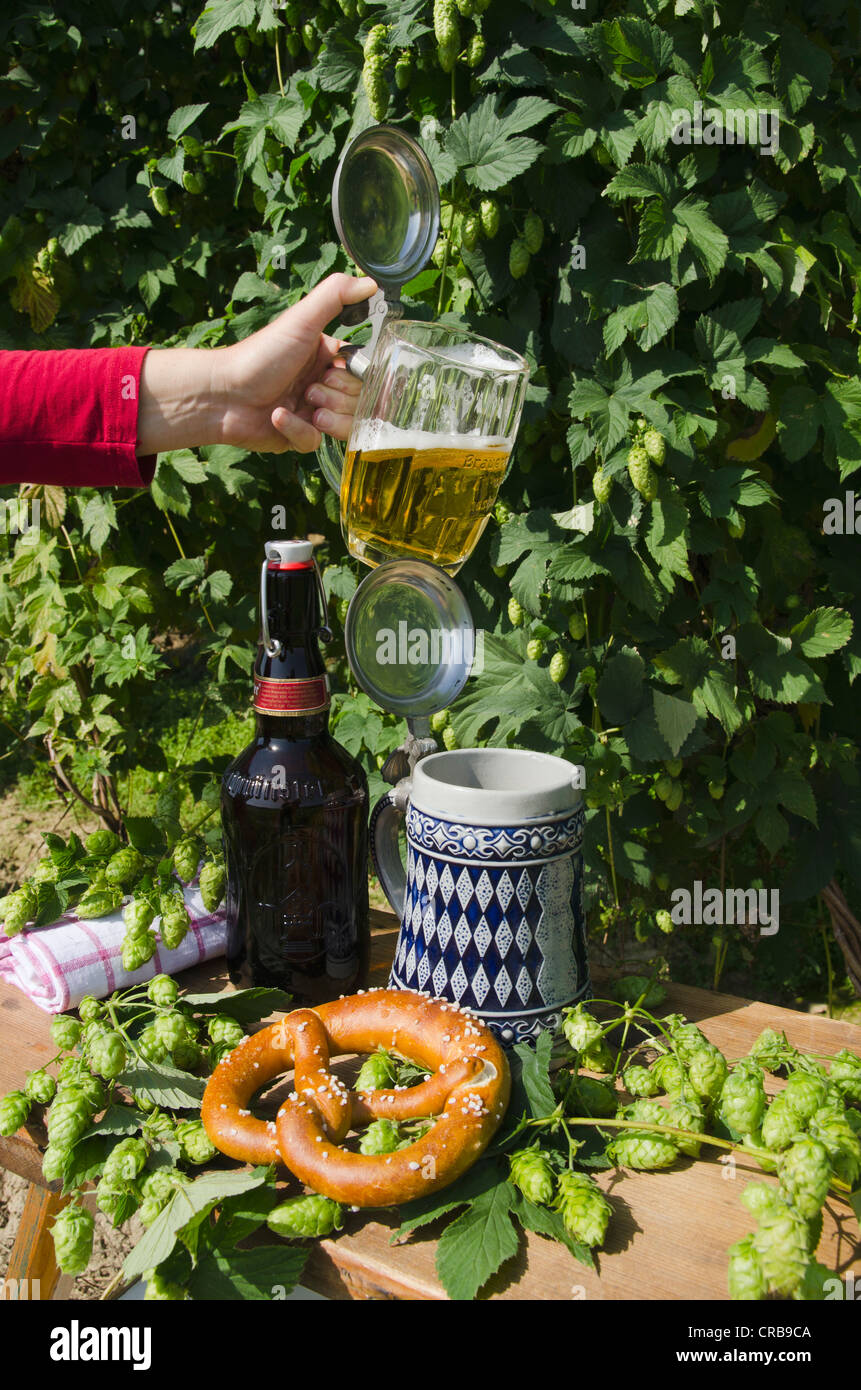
[331,452]
[384,849]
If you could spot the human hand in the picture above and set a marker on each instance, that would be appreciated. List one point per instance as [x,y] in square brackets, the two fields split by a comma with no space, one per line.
[281,385]
[278,389]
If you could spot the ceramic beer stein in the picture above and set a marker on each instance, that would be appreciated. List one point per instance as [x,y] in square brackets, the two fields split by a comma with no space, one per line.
[491,902]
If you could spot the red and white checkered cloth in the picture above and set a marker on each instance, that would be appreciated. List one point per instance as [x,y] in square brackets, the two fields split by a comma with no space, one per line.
[56,966]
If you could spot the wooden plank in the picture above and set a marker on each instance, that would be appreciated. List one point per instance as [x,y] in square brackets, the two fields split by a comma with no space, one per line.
[33,1272]
[670,1231]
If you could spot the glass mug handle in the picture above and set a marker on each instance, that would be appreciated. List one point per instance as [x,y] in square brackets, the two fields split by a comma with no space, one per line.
[330,454]
[385,854]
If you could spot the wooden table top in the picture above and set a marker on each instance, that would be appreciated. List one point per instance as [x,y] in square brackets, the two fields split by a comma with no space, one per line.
[670,1231]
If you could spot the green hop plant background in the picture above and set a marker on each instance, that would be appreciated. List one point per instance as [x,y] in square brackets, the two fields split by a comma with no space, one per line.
[165,179]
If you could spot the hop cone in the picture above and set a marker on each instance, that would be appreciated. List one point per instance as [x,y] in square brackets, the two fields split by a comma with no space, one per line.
[138,915]
[150,1045]
[381,1137]
[124,867]
[760,1197]
[707,1072]
[599,1056]
[100,900]
[805,1173]
[780,1124]
[771,1050]
[531,1172]
[175,919]
[222,1028]
[171,1030]
[102,842]
[639,1081]
[65,1031]
[846,1075]
[643,1151]
[195,1143]
[106,1054]
[745,1277]
[684,1115]
[585,1210]
[669,1073]
[831,1127]
[41,1087]
[186,857]
[67,1119]
[163,990]
[302,1217]
[687,1039]
[73,1238]
[124,1162]
[377,1072]
[212,879]
[53,1163]
[581,1029]
[806,1094]
[14,1109]
[781,1244]
[586,1096]
[742,1099]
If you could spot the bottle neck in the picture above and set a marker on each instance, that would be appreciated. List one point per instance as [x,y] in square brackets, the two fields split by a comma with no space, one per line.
[291,689]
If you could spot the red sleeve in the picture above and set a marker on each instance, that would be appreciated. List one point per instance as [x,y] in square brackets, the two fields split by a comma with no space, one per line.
[71,418]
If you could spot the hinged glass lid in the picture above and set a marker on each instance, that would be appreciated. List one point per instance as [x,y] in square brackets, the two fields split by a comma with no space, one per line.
[385,201]
[410,638]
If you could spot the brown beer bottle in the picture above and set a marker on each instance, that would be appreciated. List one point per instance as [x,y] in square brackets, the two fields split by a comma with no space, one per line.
[294,809]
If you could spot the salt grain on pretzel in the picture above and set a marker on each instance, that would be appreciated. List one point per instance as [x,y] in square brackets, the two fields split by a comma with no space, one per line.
[468,1088]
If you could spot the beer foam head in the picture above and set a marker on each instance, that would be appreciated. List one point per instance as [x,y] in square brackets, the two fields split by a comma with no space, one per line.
[372,435]
[480,356]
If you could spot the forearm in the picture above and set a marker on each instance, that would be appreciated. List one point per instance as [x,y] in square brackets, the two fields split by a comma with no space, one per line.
[182,403]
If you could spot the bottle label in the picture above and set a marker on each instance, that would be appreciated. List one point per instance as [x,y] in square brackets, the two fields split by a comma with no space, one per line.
[277,695]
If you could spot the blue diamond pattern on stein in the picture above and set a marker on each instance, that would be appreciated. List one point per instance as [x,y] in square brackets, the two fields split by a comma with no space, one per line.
[472,937]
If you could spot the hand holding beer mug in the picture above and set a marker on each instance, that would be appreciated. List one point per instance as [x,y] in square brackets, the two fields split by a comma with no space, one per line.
[433,431]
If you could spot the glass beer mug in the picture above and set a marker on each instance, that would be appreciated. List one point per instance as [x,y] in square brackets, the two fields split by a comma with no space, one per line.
[429,447]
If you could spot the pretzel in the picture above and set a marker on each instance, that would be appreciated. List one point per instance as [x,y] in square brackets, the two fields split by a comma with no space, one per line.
[468,1089]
